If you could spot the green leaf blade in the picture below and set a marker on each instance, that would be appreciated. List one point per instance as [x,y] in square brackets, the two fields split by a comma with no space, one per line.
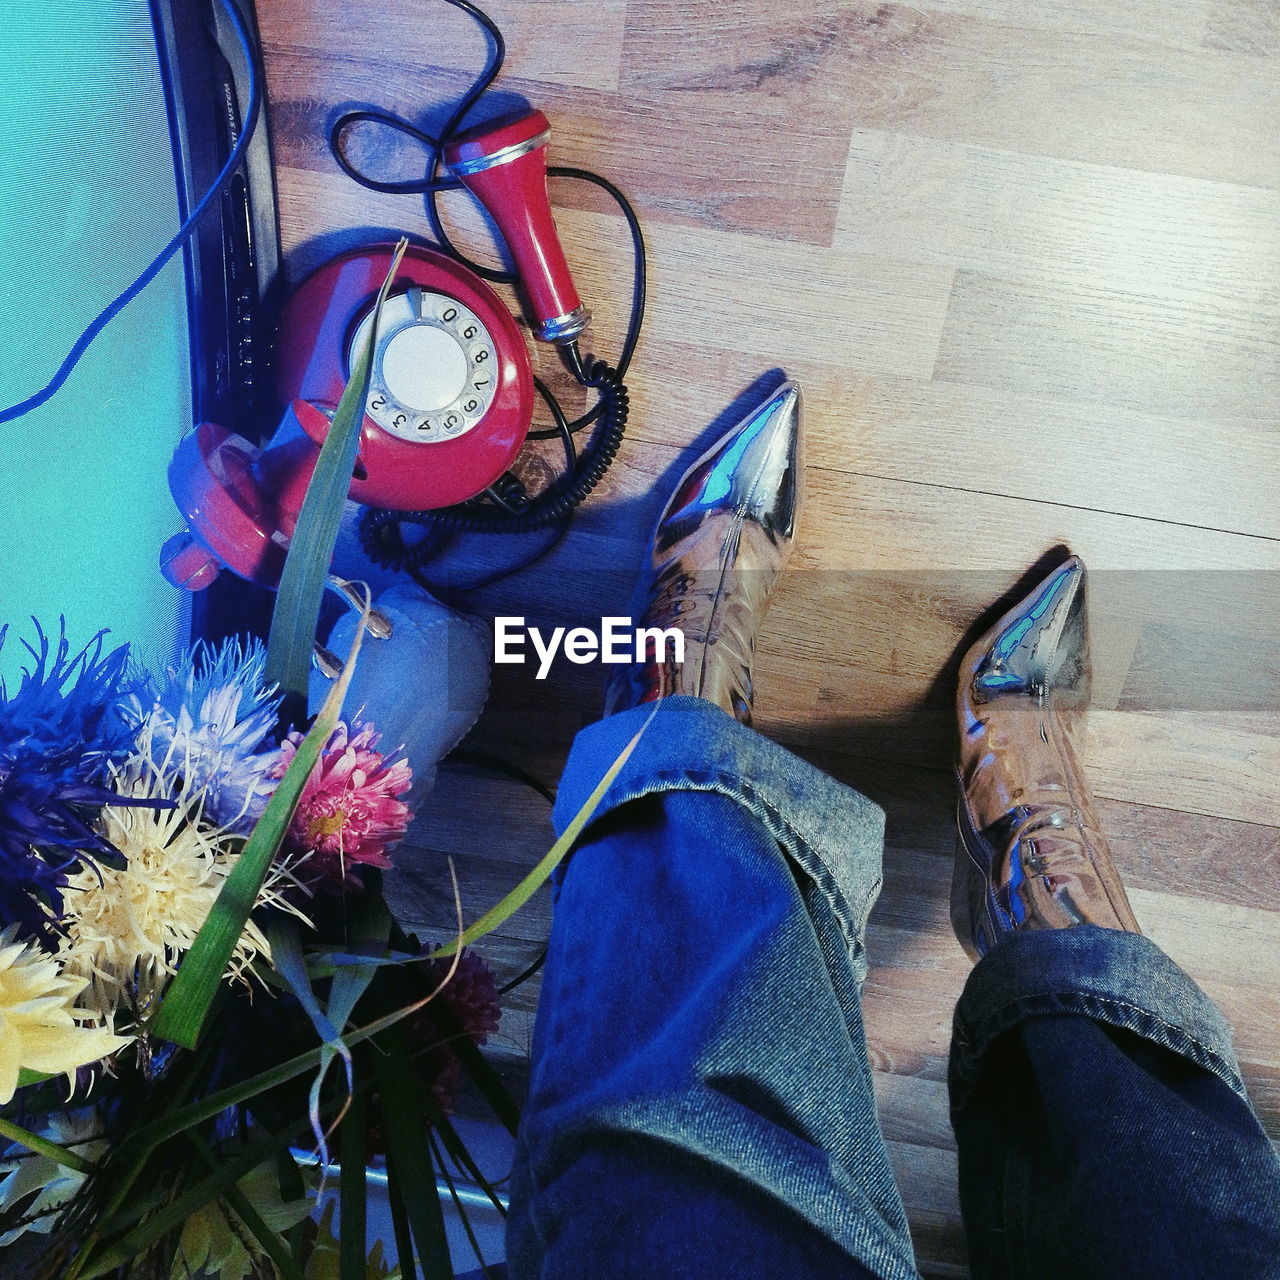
[306,567]
[401,1090]
[353,1191]
[186,1006]
[502,911]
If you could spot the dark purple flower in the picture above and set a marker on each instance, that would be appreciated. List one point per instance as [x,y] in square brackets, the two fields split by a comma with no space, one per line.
[60,730]
[471,995]
[471,1000]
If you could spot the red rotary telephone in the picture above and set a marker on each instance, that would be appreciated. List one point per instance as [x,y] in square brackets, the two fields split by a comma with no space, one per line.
[451,390]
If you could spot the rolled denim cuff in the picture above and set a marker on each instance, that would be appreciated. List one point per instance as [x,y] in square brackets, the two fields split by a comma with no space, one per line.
[1121,979]
[834,835]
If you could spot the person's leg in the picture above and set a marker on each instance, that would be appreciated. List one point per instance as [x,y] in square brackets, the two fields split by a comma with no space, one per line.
[1103,1130]
[700,1100]
[1102,1125]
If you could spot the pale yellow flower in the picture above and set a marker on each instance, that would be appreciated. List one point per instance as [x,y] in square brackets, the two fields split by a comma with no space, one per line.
[127,929]
[40,1027]
[216,1243]
[325,1264]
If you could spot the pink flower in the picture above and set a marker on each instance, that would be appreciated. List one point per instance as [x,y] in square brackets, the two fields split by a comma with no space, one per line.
[350,811]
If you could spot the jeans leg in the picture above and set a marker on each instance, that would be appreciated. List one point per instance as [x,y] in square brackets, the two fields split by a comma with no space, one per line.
[1102,1125]
[700,1099]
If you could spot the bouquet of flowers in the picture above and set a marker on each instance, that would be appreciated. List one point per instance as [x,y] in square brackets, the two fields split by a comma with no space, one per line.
[199,977]
[126,805]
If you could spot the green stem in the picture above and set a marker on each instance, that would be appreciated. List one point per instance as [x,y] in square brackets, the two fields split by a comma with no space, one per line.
[400,1224]
[353,1187]
[400,1091]
[42,1146]
[458,1207]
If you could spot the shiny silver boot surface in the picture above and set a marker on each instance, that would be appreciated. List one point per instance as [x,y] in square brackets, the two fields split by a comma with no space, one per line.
[1032,854]
[716,554]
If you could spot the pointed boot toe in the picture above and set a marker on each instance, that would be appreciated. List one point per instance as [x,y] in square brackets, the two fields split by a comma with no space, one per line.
[1031,853]
[718,548]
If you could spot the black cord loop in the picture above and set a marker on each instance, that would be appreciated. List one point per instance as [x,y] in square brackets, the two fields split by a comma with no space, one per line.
[506,507]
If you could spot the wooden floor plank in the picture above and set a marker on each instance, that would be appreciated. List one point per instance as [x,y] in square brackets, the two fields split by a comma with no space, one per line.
[1212,471]
[861,522]
[546,34]
[1073,96]
[1025,261]
[1243,26]
[1029,217]
[1176,24]
[1102,345]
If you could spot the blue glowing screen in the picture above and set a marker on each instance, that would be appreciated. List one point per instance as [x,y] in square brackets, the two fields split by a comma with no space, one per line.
[87,197]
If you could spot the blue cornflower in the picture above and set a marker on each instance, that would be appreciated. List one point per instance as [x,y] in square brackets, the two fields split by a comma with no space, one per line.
[59,731]
[210,721]
[31,896]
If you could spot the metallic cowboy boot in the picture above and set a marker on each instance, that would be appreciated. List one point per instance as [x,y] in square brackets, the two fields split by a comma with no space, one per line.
[1031,853]
[717,551]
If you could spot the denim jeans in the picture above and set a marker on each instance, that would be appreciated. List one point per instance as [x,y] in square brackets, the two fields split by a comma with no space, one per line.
[700,1097]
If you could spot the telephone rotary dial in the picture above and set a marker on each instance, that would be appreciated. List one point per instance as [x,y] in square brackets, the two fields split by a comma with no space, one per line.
[451,385]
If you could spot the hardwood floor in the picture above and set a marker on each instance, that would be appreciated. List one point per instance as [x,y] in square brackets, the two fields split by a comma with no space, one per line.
[1025,261]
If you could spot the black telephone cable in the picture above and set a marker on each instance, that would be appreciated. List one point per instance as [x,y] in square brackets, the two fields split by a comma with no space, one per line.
[507,507]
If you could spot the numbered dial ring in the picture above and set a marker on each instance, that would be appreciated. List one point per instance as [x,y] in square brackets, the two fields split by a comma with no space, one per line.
[400,470]
[434,374]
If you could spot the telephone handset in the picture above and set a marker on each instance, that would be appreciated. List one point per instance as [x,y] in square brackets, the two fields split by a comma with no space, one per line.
[451,390]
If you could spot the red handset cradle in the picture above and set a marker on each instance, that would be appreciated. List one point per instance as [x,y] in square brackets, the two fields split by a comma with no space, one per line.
[504,165]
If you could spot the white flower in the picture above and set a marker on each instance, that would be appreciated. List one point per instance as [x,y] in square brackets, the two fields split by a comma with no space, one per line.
[128,928]
[25,1172]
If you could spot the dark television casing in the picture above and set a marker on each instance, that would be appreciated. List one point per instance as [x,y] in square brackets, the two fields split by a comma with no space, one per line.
[233,259]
